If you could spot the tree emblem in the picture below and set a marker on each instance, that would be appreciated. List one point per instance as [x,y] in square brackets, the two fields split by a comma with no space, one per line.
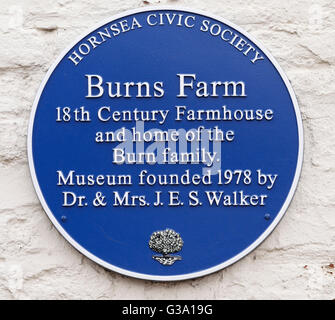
[165,242]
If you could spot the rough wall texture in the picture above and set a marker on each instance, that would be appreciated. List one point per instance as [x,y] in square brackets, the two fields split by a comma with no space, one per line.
[296,261]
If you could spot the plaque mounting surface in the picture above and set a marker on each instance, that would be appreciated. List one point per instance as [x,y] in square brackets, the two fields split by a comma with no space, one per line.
[165,243]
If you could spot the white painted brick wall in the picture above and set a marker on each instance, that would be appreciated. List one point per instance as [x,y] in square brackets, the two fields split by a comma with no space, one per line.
[294,262]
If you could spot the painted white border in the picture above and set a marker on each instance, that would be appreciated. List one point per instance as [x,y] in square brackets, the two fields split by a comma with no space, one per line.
[188,275]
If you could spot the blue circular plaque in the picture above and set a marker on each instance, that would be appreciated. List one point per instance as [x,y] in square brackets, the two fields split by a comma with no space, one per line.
[165,144]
